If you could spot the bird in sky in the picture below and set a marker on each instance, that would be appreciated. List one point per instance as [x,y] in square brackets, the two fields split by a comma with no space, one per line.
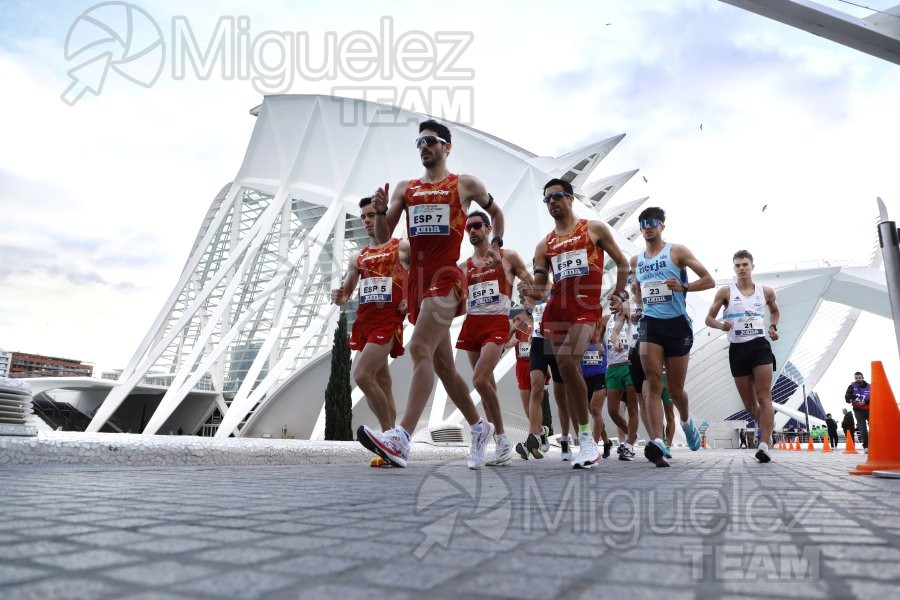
[645,178]
[701,126]
[765,206]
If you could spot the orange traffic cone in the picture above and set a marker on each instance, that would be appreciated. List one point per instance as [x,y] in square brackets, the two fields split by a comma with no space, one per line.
[849,446]
[827,444]
[797,444]
[809,445]
[884,451]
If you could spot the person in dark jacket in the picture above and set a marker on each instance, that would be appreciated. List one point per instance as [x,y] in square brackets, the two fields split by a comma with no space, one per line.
[832,429]
[848,425]
[857,395]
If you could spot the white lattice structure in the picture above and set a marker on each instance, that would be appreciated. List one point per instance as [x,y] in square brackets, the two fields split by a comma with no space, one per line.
[250,320]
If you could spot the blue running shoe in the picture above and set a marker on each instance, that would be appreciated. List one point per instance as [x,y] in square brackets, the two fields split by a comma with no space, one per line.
[667,451]
[692,435]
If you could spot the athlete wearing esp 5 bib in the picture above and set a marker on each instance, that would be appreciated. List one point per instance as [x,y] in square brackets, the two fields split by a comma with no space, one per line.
[749,353]
[380,270]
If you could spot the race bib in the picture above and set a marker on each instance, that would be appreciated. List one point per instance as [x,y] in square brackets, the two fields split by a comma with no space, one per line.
[429,219]
[749,326]
[375,289]
[486,292]
[591,358]
[655,292]
[570,264]
[524,350]
[537,314]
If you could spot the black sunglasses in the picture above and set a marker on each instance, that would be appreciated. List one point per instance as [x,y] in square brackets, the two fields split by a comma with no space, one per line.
[429,140]
[555,196]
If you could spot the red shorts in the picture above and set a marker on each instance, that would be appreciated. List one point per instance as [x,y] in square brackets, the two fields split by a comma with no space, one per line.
[561,314]
[479,330]
[523,374]
[375,332]
[441,283]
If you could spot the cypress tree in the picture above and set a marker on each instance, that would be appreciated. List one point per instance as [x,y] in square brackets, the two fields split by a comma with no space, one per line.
[338,410]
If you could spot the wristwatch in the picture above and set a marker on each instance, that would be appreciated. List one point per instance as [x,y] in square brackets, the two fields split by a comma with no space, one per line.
[381,213]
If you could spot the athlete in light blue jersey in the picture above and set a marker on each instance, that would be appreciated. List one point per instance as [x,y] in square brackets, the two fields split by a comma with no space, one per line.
[666,334]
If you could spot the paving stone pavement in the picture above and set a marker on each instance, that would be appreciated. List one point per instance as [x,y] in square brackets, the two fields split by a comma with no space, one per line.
[714,525]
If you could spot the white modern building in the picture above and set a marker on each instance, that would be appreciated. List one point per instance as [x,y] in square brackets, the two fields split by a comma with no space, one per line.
[242,345]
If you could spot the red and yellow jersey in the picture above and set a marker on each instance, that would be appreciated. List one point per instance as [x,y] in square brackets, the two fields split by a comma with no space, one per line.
[382,280]
[488,289]
[576,263]
[435,221]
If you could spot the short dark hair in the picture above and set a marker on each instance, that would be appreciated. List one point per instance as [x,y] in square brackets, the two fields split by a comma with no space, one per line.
[652,212]
[742,254]
[365,201]
[566,186]
[438,128]
[481,214]
[858,373]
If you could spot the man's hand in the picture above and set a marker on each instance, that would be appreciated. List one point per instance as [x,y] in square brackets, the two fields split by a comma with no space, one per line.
[338,296]
[380,198]
[615,304]
[403,307]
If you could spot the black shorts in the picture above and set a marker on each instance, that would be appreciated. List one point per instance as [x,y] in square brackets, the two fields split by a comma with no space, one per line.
[542,357]
[594,383]
[745,356]
[636,369]
[674,335]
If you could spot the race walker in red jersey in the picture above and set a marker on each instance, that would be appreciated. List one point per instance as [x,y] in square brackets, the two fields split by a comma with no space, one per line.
[435,205]
[573,254]
[486,328]
[380,271]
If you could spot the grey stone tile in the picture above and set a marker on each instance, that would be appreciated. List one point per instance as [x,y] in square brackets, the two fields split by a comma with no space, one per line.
[13,574]
[239,555]
[242,584]
[35,548]
[171,545]
[409,575]
[113,538]
[63,589]
[160,573]
[86,559]
[312,565]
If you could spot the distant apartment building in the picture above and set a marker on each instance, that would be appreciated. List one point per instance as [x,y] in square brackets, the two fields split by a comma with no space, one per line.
[23,364]
[5,359]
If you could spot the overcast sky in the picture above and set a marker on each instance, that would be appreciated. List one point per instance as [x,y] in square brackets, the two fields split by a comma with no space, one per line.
[101,196]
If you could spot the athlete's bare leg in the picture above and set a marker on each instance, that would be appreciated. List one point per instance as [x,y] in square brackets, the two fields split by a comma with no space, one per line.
[483,364]
[432,354]
[369,364]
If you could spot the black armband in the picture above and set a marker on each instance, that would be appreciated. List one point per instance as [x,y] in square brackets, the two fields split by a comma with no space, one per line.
[490,201]
[381,213]
[541,270]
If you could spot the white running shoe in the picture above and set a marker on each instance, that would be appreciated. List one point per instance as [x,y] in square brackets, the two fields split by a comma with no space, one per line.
[588,453]
[565,452]
[479,444]
[502,453]
[545,439]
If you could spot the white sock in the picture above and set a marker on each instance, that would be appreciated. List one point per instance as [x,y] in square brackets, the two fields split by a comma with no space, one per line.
[763,446]
[684,423]
[660,442]
[477,427]
[403,431]
[501,438]
[563,438]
